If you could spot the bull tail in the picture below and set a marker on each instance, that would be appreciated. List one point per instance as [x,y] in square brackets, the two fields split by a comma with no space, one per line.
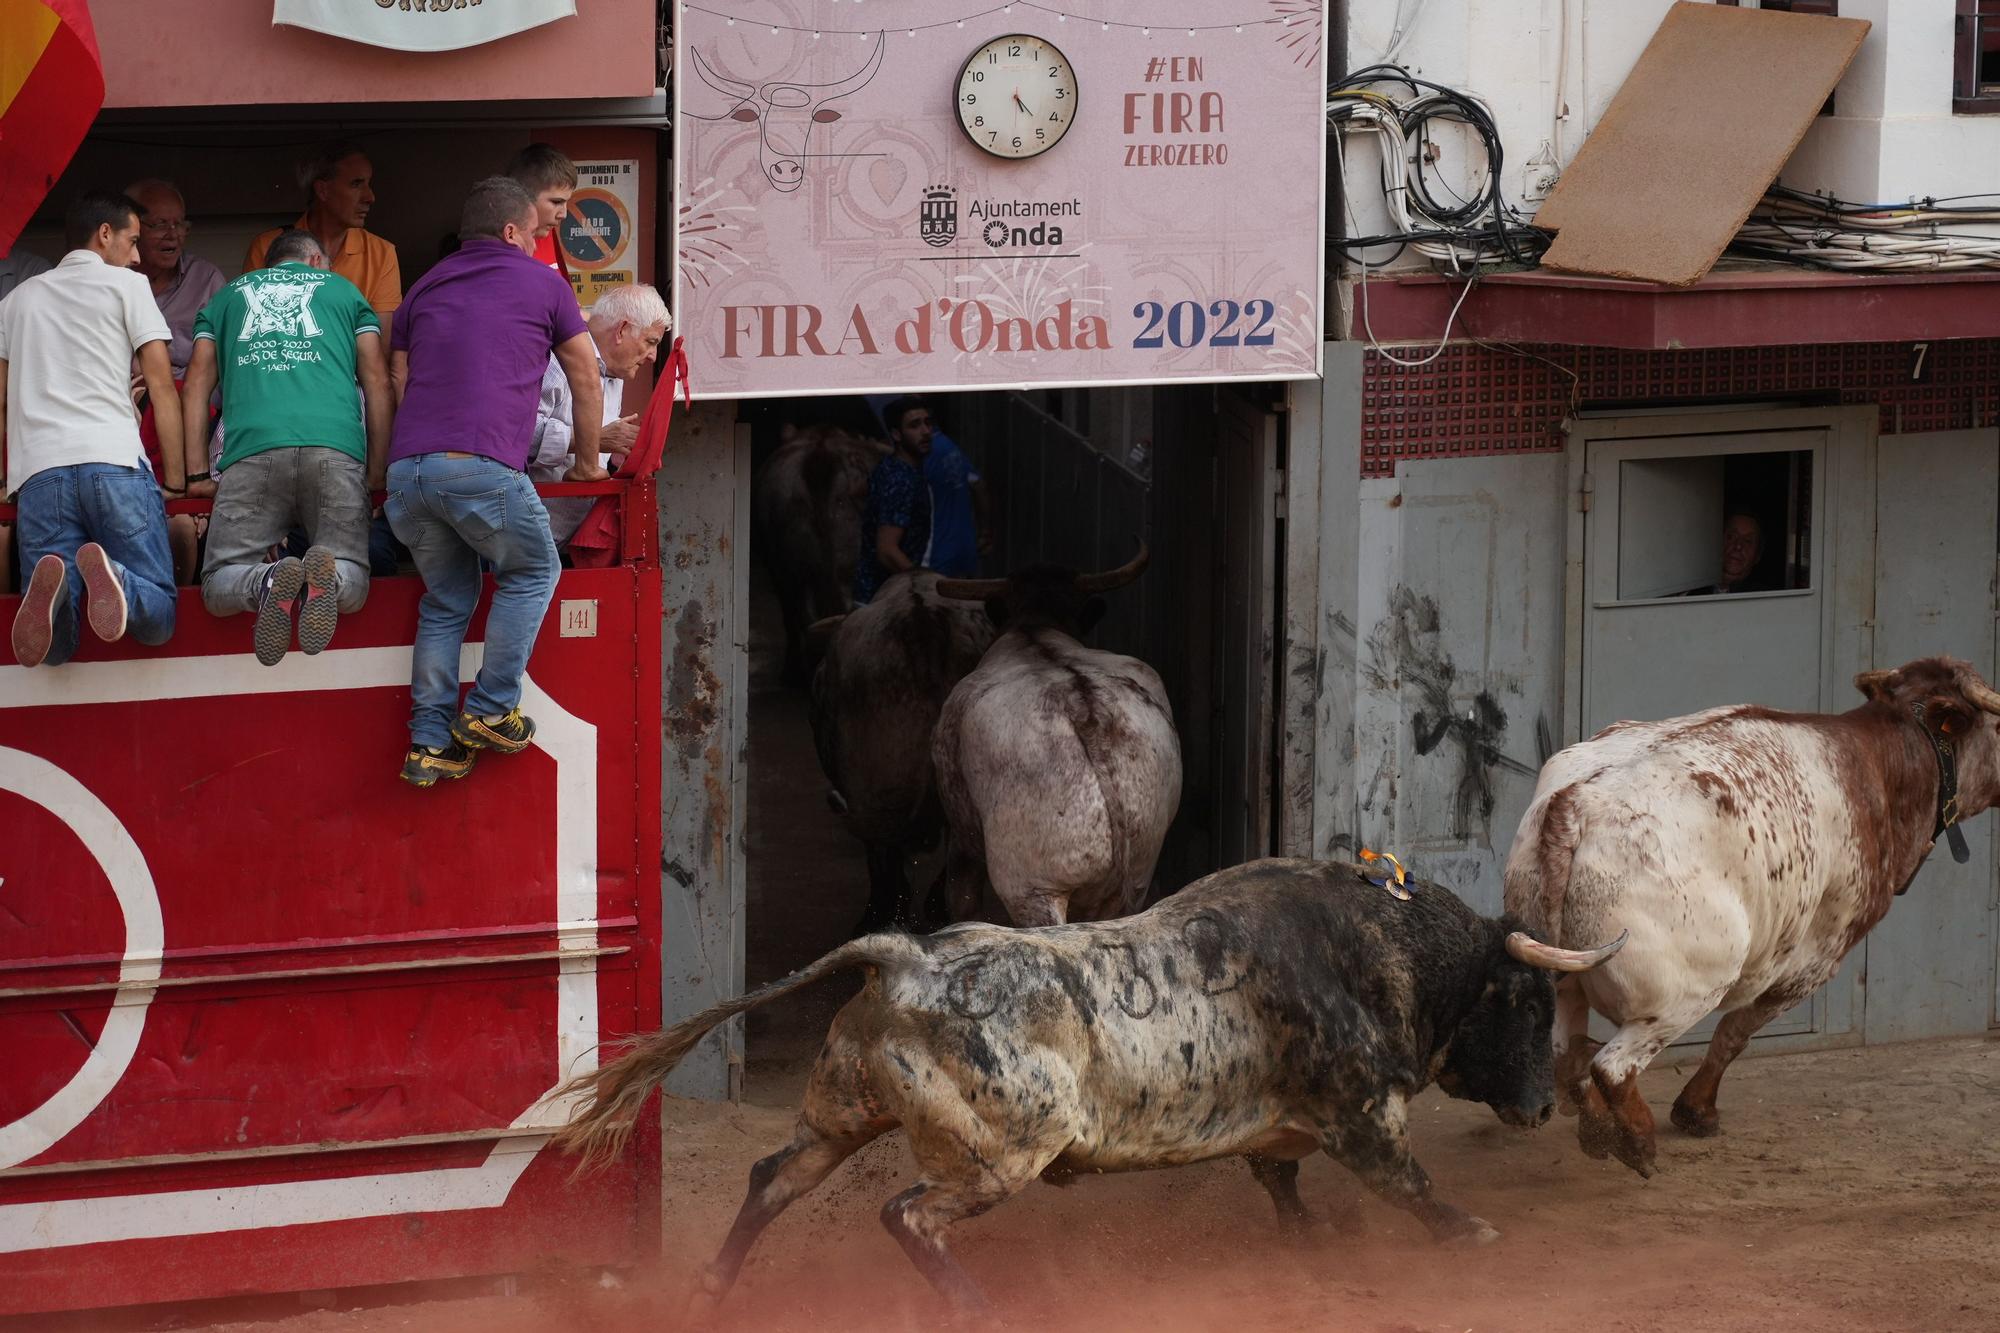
[597,1131]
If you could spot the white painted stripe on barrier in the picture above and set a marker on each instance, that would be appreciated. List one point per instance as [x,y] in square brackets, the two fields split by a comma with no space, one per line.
[94,1221]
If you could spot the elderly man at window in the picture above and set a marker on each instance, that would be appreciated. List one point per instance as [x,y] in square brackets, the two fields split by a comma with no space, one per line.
[182,284]
[626,326]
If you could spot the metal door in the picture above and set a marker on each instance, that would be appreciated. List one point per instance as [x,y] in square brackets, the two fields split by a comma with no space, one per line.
[1930,964]
[1649,650]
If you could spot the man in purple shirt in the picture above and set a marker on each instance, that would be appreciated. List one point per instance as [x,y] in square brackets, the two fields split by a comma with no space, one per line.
[466,354]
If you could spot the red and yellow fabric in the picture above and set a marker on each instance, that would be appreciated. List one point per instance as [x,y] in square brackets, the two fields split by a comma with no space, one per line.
[51,88]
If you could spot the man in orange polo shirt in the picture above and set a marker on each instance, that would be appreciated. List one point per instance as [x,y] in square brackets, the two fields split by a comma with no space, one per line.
[339,185]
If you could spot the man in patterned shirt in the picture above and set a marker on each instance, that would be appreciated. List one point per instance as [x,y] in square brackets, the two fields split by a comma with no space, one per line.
[896,523]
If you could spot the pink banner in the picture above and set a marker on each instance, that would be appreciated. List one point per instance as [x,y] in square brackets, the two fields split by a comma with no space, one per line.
[935,194]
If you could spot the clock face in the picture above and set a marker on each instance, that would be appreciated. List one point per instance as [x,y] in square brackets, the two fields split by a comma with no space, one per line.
[1016,96]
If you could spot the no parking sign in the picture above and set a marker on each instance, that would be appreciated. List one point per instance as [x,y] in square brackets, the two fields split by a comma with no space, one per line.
[598,235]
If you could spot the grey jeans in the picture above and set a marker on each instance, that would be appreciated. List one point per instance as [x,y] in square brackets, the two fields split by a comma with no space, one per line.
[261,498]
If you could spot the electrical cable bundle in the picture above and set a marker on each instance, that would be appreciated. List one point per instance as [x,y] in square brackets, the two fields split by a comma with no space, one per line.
[1427,215]
[1797,227]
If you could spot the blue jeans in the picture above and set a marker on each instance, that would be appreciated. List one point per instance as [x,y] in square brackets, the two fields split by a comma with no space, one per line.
[451,512]
[120,509]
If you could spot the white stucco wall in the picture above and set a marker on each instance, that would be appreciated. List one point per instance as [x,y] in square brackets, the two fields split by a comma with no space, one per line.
[1894,136]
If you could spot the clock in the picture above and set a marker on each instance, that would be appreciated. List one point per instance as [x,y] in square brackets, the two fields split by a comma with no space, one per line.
[1016,96]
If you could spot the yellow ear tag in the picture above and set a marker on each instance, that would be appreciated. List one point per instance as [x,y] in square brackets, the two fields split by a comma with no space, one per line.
[1393,882]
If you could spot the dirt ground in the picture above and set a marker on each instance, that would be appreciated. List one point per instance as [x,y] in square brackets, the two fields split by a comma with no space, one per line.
[1853,1191]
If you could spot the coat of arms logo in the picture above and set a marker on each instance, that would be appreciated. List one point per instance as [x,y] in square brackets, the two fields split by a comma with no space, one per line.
[937,219]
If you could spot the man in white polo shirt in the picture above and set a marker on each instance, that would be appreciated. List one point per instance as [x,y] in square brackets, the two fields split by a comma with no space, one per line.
[88,513]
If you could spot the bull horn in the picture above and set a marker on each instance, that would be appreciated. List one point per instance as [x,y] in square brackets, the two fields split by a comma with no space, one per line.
[1983,695]
[1527,949]
[719,81]
[1116,578]
[855,81]
[970,590]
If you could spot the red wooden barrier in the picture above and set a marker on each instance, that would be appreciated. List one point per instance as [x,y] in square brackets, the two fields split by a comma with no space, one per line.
[273,1020]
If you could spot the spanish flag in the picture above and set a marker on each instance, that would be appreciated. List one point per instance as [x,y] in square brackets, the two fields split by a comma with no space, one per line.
[51,87]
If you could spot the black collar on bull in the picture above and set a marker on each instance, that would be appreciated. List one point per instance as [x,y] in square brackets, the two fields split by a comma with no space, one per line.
[1947,808]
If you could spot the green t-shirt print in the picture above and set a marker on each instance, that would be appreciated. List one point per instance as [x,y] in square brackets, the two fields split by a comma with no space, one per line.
[284,351]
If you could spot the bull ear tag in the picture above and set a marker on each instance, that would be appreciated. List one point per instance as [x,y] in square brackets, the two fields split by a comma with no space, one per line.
[1392,880]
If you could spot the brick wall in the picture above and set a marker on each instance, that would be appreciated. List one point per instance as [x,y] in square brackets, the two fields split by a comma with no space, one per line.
[1489,398]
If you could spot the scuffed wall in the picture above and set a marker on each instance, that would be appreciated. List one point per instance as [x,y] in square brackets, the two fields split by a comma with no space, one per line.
[1458,663]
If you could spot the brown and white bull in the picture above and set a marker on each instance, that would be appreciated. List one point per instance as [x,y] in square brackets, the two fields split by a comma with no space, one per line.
[1269,1011]
[806,501]
[886,671]
[1058,765]
[1747,850]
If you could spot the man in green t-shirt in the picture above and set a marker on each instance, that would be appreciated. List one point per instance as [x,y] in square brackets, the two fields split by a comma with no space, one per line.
[301,449]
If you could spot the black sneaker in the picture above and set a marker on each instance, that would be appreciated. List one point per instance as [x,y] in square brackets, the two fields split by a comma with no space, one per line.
[321,609]
[283,582]
[424,767]
[510,735]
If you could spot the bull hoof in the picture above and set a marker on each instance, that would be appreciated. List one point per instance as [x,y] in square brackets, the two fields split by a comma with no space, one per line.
[705,1298]
[1697,1124]
[1639,1154]
[1642,1162]
[1597,1135]
[1470,1236]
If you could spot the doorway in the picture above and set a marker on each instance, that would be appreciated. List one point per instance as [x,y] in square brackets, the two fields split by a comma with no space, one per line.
[1075,477]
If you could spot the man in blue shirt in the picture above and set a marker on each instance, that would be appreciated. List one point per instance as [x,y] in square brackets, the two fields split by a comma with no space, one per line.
[961,530]
[896,522]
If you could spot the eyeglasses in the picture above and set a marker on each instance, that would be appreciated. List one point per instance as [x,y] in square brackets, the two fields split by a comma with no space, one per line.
[158,227]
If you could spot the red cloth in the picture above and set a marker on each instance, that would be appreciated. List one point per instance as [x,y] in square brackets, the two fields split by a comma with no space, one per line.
[45,120]
[550,252]
[595,543]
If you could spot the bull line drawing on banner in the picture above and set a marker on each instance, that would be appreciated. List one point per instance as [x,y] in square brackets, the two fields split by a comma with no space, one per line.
[799,105]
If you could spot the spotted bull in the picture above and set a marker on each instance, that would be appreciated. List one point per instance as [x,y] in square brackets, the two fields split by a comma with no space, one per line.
[1747,851]
[887,669]
[806,501]
[1058,765]
[785,113]
[1268,1011]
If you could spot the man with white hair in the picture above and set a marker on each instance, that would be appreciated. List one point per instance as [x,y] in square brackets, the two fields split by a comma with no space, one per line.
[627,326]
